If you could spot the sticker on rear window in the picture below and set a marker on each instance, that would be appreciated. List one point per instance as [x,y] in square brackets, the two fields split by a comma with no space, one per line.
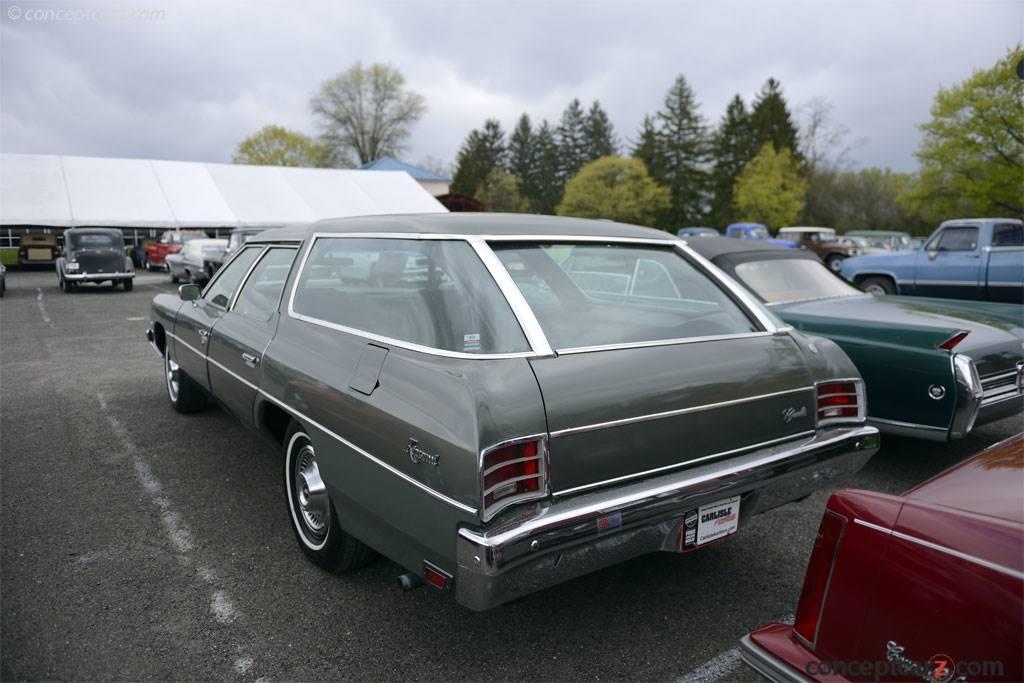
[471,342]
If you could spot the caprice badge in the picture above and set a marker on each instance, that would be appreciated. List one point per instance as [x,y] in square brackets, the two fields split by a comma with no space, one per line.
[790,414]
[418,455]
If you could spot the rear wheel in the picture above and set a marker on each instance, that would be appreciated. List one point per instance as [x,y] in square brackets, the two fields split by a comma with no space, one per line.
[834,262]
[186,396]
[128,284]
[174,279]
[878,285]
[312,514]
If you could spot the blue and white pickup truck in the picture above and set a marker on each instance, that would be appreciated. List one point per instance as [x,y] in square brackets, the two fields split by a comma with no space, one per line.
[756,231]
[972,258]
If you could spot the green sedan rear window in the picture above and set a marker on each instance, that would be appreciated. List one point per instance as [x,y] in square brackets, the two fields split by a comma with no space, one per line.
[432,293]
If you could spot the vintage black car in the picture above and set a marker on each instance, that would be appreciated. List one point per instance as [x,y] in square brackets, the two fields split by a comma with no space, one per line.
[501,403]
[94,255]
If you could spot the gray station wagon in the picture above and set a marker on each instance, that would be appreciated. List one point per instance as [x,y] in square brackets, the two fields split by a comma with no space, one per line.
[503,402]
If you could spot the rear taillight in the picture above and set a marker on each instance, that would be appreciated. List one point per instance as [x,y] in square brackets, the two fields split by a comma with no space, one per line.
[819,573]
[951,343]
[841,401]
[512,472]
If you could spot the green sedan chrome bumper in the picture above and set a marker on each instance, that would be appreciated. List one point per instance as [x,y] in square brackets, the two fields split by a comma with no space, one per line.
[524,551]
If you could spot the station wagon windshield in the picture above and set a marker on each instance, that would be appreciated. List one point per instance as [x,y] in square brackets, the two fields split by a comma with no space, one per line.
[587,295]
[780,280]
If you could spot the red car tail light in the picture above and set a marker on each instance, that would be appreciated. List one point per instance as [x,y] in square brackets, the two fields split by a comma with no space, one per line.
[841,401]
[951,343]
[512,472]
[819,573]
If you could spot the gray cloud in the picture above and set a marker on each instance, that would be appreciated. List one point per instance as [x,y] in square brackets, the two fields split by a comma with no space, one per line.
[194,81]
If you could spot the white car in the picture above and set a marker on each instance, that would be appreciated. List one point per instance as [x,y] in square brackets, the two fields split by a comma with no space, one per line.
[187,264]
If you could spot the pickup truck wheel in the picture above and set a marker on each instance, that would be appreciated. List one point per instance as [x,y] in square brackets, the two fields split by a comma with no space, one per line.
[128,284]
[186,396]
[312,513]
[878,285]
[834,263]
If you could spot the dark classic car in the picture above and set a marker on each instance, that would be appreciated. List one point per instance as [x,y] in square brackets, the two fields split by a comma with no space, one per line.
[927,586]
[94,255]
[934,368]
[446,391]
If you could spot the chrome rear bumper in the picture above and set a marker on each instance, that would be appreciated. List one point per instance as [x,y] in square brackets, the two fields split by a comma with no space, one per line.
[79,277]
[526,550]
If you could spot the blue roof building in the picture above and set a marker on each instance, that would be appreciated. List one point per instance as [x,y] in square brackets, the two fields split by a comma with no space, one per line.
[434,183]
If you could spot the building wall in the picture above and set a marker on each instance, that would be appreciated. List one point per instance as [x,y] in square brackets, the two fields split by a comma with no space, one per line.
[434,187]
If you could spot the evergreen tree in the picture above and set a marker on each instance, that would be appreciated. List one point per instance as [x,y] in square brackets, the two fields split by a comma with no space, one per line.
[548,182]
[649,148]
[771,121]
[598,134]
[571,141]
[732,147]
[522,157]
[687,151]
[479,154]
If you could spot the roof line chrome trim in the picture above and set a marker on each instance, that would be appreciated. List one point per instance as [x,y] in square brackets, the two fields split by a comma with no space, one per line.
[535,336]
[721,454]
[1008,571]
[671,413]
[308,420]
[661,342]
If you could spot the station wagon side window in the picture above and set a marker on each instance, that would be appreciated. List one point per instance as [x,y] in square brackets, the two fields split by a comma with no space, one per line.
[223,287]
[1008,235]
[956,238]
[435,294]
[261,292]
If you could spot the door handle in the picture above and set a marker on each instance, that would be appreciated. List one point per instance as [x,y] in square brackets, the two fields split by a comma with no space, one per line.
[251,359]
[203,334]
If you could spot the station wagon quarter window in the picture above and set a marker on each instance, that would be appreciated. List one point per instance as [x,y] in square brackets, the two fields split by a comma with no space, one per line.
[261,293]
[223,287]
[433,295]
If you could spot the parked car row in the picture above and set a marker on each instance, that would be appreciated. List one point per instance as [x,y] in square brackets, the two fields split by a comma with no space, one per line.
[502,403]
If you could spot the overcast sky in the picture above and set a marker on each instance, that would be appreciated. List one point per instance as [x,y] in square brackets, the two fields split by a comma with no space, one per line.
[192,80]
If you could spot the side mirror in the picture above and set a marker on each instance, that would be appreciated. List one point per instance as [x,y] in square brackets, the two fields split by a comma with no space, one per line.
[189,292]
[932,253]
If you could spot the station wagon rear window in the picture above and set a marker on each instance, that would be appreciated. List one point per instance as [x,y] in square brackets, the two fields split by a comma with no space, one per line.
[587,295]
[431,293]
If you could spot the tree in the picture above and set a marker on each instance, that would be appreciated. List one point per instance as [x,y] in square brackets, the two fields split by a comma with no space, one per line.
[972,152]
[771,121]
[571,139]
[826,149]
[770,189]
[732,147]
[598,134]
[278,146]
[522,156]
[684,139]
[547,186]
[366,112]
[480,153]
[614,188]
[649,148]
[500,192]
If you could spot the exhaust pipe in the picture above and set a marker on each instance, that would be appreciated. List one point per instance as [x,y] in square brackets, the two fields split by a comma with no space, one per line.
[409,581]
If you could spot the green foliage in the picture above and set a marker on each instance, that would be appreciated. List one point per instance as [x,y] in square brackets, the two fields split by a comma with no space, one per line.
[614,188]
[772,122]
[649,148]
[278,146]
[732,147]
[869,199]
[686,150]
[481,152]
[546,188]
[522,155]
[770,189]
[572,143]
[972,153]
[366,112]
[500,192]
[598,134]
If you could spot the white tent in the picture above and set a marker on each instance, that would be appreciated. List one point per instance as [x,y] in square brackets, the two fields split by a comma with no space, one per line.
[68,191]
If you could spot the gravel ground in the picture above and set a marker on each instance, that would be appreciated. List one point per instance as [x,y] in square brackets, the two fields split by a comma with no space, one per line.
[141,544]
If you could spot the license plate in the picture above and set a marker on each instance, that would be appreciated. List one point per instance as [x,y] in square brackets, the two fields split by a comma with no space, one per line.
[710,523]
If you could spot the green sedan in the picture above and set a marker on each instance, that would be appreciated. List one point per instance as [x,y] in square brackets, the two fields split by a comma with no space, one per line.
[934,368]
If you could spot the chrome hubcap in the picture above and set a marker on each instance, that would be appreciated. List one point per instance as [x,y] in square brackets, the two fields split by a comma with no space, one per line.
[836,264]
[171,372]
[874,289]
[311,493]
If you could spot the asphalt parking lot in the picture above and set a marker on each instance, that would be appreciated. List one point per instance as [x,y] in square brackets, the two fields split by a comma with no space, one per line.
[138,543]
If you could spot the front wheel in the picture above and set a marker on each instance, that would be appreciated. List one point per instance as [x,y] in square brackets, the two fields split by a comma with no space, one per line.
[311,511]
[878,285]
[186,396]
[834,263]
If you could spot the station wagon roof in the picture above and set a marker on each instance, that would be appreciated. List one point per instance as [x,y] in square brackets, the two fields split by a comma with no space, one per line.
[469,225]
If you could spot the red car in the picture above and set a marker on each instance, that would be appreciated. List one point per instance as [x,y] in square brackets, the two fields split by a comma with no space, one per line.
[928,586]
[169,243]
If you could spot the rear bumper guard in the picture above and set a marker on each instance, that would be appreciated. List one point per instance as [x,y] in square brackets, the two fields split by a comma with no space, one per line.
[526,550]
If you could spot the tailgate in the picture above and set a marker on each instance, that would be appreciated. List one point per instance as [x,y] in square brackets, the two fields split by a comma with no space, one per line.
[626,413]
